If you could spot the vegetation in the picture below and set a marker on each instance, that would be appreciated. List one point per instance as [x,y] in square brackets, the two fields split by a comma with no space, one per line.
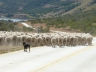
[7,25]
[35,8]
[83,21]
[11,26]
[27,29]
[58,10]
[7,49]
[44,30]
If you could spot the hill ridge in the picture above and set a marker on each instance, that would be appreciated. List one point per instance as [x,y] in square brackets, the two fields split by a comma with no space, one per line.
[43,8]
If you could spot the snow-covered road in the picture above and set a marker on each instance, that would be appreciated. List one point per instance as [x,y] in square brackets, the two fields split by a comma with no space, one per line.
[48,59]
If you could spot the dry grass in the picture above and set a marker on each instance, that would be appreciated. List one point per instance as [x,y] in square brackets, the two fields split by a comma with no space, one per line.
[39,24]
[7,49]
[84,5]
[67,29]
[91,7]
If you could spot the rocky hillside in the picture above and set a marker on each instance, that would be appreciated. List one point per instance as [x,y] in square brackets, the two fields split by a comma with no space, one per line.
[43,8]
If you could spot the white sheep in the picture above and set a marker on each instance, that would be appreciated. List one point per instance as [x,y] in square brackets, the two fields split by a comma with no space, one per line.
[1,40]
[19,40]
[65,40]
[14,40]
[24,38]
[39,41]
[89,39]
[33,41]
[47,40]
[53,42]
[60,41]
[8,40]
[28,39]
[68,40]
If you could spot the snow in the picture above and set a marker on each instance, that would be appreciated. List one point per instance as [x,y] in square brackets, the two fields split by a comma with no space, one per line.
[48,59]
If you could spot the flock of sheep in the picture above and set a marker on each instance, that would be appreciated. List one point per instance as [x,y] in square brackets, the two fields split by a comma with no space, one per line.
[40,39]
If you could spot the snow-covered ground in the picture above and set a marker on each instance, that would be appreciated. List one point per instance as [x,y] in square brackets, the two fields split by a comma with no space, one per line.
[48,59]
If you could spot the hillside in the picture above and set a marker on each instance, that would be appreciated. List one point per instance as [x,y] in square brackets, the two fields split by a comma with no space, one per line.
[76,22]
[43,8]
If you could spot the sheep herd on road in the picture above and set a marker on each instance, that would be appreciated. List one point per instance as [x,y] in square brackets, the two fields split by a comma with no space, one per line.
[49,39]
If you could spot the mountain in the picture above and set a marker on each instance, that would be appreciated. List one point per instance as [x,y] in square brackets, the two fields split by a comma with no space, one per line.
[43,8]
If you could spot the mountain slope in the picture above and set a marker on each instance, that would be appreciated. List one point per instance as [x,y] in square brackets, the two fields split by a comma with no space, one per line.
[85,4]
[43,8]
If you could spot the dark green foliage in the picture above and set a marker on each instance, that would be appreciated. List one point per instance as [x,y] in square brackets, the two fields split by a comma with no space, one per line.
[35,8]
[9,15]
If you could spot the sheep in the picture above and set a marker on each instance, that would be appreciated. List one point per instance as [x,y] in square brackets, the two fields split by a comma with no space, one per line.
[44,42]
[33,41]
[68,40]
[60,41]
[71,41]
[89,39]
[19,40]
[1,40]
[65,40]
[48,40]
[28,39]
[53,42]
[8,40]
[39,41]
[14,40]
[24,38]
[57,41]
[75,41]
[79,40]
[83,40]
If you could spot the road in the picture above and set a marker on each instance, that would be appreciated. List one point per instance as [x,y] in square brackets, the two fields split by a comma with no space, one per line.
[48,59]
